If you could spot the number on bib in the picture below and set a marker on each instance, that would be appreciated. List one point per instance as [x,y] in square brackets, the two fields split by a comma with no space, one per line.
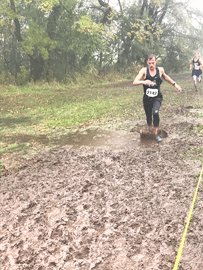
[152,92]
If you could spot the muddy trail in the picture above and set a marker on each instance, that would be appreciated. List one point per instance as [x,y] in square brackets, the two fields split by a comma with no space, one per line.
[105,201]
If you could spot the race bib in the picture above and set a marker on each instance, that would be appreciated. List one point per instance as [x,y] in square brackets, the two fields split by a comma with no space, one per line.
[196,66]
[152,92]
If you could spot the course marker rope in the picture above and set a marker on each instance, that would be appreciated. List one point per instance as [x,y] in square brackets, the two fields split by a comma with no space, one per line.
[187,224]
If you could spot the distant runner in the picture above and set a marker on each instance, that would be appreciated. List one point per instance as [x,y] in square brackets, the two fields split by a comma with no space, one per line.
[150,78]
[196,67]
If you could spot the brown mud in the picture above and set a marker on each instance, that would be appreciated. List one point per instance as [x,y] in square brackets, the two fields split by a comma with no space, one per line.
[105,201]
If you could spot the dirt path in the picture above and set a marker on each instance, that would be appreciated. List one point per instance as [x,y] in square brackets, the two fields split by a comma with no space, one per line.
[121,206]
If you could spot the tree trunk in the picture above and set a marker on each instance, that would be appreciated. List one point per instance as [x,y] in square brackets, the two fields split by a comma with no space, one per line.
[100,62]
[36,67]
[37,63]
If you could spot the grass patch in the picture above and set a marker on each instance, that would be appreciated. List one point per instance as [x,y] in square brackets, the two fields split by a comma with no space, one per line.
[15,147]
[195,154]
[198,129]
[33,110]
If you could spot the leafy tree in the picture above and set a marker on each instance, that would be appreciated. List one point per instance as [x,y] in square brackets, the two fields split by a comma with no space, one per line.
[55,39]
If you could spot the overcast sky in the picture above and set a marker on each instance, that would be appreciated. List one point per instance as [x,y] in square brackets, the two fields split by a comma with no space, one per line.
[198,4]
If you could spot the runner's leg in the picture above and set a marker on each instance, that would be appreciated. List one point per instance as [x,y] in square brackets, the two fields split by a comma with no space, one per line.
[155,111]
[148,111]
[156,119]
[195,81]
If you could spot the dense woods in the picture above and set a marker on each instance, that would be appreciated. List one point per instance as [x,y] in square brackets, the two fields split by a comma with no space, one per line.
[57,39]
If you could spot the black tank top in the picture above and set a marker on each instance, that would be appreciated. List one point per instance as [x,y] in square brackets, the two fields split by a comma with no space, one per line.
[153,91]
[196,63]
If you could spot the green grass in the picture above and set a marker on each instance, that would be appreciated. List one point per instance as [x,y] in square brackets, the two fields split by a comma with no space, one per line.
[35,111]
[192,153]
[33,115]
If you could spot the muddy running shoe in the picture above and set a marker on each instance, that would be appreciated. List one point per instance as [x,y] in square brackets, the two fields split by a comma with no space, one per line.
[158,138]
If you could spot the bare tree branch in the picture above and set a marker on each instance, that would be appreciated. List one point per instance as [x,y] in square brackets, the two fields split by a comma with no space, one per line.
[107,12]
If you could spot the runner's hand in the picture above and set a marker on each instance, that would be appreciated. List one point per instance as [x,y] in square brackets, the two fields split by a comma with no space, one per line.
[178,87]
[148,82]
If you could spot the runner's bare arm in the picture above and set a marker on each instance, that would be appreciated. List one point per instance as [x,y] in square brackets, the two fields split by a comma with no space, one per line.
[169,80]
[140,78]
[191,65]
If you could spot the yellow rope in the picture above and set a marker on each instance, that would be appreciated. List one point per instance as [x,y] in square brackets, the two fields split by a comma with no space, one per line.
[187,224]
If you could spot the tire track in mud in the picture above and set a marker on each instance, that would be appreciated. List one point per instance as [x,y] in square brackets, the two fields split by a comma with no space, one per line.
[104,208]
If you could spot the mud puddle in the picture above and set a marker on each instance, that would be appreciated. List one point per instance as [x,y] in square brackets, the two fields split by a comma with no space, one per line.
[103,138]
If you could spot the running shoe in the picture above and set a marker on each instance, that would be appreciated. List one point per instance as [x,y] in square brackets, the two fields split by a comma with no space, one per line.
[158,138]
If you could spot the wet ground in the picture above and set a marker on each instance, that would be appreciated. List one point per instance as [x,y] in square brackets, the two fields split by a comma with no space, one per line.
[106,200]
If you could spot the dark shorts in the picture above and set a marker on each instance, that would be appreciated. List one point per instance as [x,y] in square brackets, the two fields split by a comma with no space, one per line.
[196,72]
[148,100]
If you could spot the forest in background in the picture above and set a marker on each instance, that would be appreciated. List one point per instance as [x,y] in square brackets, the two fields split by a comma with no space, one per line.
[55,40]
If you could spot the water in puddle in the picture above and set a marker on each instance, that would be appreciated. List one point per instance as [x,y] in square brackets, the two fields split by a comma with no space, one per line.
[101,138]
[90,137]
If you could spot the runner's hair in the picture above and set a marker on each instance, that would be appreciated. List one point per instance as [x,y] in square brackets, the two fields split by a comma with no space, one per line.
[151,56]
